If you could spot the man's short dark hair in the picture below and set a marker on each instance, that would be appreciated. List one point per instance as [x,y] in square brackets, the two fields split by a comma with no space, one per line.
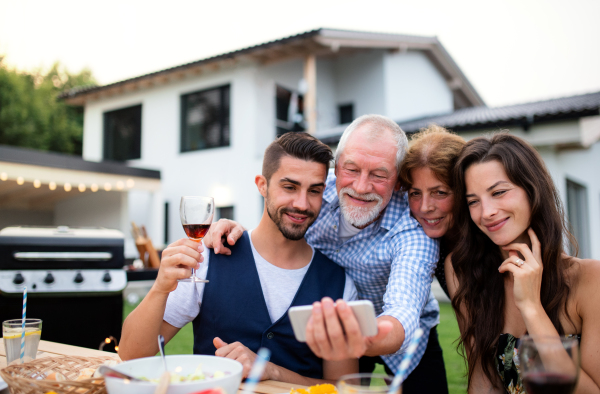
[298,145]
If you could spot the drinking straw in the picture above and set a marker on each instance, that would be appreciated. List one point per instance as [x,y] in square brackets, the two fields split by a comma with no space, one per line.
[262,357]
[23,323]
[399,378]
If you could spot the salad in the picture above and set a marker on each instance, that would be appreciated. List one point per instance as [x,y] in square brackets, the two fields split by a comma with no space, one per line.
[198,374]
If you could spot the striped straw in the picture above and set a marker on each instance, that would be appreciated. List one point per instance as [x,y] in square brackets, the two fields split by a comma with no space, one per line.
[23,323]
[262,357]
[410,351]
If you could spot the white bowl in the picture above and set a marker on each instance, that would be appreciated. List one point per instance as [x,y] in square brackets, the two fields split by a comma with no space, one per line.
[152,368]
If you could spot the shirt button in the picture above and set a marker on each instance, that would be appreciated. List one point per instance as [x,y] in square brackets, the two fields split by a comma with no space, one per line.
[334,227]
[270,335]
[337,251]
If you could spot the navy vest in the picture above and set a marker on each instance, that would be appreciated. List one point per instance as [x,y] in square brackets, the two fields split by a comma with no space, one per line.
[234,309]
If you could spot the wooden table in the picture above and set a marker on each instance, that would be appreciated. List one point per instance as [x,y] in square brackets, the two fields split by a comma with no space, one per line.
[53,349]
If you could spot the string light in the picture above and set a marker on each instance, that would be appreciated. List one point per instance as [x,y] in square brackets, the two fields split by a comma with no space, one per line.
[107,187]
[52,185]
[4,176]
[37,183]
[20,180]
[130,182]
[120,185]
[94,188]
[81,187]
[107,340]
[67,187]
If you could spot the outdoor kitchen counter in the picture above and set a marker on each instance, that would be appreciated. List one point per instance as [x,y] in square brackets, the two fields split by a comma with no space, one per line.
[53,349]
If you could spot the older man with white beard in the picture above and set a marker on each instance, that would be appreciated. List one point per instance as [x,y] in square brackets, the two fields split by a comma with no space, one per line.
[365,226]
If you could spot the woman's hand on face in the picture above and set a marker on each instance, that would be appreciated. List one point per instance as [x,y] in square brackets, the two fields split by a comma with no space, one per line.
[527,273]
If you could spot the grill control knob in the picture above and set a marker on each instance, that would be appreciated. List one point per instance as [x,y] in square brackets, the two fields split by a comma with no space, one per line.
[49,279]
[78,278]
[106,278]
[18,279]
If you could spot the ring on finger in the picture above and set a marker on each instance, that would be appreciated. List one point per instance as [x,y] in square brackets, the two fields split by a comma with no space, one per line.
[519,262]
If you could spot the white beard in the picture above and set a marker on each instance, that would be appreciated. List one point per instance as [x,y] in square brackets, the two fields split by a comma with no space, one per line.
[359,216]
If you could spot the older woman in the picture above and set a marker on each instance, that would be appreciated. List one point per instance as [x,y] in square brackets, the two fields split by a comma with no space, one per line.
[426,175]
[508,274]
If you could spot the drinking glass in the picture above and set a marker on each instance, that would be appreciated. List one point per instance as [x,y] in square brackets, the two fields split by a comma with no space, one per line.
[196,217]
[365,383]
[549,364]
[11,333]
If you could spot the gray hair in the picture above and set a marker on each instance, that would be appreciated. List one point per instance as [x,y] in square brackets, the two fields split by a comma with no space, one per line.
[379,124]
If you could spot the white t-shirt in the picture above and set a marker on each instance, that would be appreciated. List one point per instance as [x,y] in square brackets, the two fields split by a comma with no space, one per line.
[279,286]
[347,230]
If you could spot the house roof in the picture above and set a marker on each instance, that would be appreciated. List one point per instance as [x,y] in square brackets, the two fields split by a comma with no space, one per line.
[523,115]
[320,42]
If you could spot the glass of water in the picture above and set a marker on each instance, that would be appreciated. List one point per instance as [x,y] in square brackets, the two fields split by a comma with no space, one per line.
[11,333]
[365,383]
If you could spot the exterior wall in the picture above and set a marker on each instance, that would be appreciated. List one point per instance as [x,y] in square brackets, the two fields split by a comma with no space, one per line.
[576,164]
[101,209]
[414,88]
[359,79]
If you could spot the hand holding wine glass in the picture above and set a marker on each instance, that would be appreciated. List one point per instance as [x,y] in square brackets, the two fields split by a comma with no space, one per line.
[549,364]
[196,217]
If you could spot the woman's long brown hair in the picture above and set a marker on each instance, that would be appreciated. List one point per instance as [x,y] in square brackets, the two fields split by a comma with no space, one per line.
[476,258]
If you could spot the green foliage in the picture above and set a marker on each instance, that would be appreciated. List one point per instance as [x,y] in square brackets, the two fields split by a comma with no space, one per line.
[30,114]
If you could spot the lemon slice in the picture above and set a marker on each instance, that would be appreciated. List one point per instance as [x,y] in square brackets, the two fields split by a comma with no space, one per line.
[18,334]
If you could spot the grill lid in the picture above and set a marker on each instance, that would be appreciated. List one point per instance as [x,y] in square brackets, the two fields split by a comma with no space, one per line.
[61,247]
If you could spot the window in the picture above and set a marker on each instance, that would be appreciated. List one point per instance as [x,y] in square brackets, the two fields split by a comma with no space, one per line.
[205,119]
[577,210]
[123,134]
[289,108]
[225,213]
[346,113]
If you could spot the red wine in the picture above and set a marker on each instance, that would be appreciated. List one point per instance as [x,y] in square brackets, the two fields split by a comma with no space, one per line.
[549,383]
[196,231]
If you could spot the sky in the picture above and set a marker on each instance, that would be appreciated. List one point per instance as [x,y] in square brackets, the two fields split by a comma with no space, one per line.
[512,51]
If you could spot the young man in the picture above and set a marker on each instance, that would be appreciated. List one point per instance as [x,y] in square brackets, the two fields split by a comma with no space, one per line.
[244,305]
[365,226]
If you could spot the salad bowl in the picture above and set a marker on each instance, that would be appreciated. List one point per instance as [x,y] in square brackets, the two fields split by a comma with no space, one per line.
[189,374]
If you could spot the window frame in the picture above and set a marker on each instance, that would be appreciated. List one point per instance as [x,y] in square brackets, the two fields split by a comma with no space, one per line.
[222,118]
[580,208]
[106,146]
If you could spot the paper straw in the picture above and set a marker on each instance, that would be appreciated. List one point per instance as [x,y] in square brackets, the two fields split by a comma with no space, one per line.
[262,357]
[410,351]
[23,323]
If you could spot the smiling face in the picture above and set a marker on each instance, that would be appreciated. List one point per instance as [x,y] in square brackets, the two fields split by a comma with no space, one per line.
[498,207]
[431,202]
[294,195]
[366,176]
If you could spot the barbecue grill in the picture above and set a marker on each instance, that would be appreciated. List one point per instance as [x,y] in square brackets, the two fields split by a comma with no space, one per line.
[74,278]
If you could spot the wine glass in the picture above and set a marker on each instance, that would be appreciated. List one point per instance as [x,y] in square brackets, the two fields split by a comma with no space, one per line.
[549,364]
[196,217]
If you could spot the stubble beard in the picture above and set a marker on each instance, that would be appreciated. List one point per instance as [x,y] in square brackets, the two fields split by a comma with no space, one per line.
[292,231]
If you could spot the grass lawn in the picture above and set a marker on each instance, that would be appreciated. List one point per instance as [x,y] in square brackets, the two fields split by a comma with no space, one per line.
[447,331]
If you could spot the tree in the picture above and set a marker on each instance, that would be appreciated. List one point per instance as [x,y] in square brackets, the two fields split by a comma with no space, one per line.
[30,114]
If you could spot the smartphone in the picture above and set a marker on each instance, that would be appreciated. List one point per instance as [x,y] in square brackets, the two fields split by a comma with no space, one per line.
[363,310]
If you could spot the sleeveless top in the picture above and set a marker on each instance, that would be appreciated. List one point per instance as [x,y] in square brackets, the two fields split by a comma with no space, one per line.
[234,308]
[507,362]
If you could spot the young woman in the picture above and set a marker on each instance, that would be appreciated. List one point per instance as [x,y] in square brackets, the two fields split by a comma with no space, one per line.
[508,274]
[426,175]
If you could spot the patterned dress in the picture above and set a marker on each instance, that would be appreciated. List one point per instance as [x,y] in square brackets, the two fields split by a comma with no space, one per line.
[507,363]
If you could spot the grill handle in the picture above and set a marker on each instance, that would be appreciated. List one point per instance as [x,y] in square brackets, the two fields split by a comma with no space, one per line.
[62,256]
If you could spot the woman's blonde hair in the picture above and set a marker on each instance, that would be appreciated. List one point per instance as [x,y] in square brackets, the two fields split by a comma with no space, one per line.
[433,147]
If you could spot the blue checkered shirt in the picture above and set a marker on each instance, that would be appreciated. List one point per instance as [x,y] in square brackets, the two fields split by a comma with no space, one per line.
[391,262]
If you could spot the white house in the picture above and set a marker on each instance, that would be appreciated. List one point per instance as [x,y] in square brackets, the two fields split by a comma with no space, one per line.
[205,125]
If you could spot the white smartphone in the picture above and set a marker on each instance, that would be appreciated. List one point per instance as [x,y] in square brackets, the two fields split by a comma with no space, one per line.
[363,310]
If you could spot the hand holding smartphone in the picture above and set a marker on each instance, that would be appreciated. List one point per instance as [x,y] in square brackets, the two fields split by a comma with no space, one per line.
[363,311]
